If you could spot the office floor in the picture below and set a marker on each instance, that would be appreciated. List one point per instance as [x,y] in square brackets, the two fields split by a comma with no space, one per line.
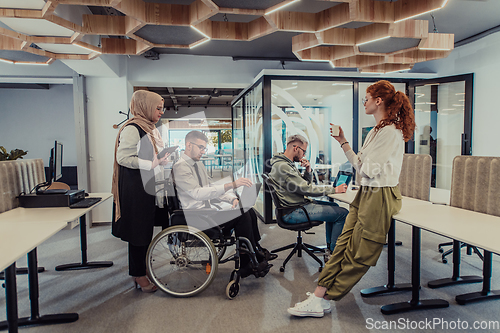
[106,301]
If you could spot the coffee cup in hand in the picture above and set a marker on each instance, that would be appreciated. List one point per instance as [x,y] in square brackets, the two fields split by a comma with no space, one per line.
[335,130]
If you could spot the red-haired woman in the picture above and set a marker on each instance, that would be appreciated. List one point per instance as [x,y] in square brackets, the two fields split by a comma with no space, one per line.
[378,165]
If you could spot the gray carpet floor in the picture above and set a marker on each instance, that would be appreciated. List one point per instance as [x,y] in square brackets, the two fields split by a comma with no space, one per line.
[107,302]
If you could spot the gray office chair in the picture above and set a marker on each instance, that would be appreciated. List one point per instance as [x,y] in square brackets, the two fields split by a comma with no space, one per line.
[299,245]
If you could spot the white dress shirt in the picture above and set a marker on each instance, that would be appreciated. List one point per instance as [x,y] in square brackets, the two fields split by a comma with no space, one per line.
[380,159]
[189,191]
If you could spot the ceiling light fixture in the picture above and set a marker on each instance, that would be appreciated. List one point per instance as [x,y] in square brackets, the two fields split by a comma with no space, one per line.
[444,3]
[290,88]
[199,43]
[434,49]
[85,47]
[399,70]
[375,40]
[7,61]
[192,26]
[280,7]
[30,63]
[409,17]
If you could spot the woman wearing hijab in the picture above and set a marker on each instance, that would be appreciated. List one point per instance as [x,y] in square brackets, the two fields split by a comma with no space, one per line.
[138,201]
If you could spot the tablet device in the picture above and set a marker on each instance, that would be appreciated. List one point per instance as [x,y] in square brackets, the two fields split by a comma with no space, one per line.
[167,150]
[343,177]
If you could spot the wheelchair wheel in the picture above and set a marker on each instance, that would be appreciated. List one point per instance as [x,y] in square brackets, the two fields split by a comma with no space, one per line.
[232,289]
[182,261]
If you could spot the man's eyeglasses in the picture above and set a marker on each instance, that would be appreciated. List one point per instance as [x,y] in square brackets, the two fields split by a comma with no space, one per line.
[201,147]
[303,150]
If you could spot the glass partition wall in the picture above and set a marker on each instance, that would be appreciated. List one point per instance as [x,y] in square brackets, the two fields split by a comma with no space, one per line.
[277,106]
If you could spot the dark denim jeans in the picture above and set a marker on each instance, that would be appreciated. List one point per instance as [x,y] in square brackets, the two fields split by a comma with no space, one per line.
[333,215]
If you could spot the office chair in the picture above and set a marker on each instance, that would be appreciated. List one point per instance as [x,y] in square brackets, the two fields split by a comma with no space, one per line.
[299,245]
[470,249]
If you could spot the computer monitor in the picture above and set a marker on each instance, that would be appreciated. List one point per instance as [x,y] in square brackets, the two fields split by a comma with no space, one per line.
[55,162]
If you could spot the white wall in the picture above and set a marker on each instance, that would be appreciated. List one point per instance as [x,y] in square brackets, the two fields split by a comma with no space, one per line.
[481,58]
[32,119]
[105,97]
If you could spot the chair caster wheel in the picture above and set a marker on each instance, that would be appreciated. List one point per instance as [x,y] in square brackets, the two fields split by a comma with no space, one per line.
[232,289]
[282,269]
[445,261]
[320,269]
[441,250]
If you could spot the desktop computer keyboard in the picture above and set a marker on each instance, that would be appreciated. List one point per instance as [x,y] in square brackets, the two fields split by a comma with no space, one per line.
[85,203]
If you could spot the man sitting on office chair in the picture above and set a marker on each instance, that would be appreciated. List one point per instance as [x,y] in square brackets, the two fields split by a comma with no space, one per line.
[195,190]
[292,188]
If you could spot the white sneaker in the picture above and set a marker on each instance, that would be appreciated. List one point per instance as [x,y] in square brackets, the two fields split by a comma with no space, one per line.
[311,307]
[327,307]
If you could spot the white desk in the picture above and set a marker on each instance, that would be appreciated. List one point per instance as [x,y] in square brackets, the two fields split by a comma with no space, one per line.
[470,227]
[21,231]
[391,286]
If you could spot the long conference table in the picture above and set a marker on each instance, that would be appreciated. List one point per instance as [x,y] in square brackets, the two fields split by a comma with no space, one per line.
[22,230]
[466,226]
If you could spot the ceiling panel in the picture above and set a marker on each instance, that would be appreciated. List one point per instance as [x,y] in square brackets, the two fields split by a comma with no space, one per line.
[162,34]
[22,56]
[277,44]
[247,4]
[310,6]
[64,48]
[234,18]
[24,4]
[172,2]
[389,45]
[36,27]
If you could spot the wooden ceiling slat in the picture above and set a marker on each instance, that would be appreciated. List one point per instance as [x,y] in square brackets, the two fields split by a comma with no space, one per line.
[229,31]
[372,11]
[405,9]
[333,17]
[21,13]
[339,36]
[305,41]
[104,25]
[119,46]
[260,27]
[439,41]
[199,11]
[49,8]
[167,14]
[294,21]
[242,11]
[133,8]
[9,43]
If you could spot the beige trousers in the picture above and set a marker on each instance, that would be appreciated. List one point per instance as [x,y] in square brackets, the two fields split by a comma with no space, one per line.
[362,239]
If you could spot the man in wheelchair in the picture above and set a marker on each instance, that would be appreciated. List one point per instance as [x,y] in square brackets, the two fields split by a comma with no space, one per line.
[197,193]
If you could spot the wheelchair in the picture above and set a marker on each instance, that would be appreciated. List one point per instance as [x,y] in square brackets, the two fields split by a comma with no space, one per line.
[182,260]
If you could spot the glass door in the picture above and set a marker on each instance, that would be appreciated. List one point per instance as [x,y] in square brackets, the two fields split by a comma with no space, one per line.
[443,115]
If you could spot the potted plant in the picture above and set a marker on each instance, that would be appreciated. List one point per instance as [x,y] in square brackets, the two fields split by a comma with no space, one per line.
[13,155]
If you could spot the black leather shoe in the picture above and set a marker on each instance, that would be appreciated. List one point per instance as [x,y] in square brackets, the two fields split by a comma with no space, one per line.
[264,253]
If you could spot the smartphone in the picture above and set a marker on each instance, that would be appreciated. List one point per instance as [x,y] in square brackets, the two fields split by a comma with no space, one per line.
[167,150]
